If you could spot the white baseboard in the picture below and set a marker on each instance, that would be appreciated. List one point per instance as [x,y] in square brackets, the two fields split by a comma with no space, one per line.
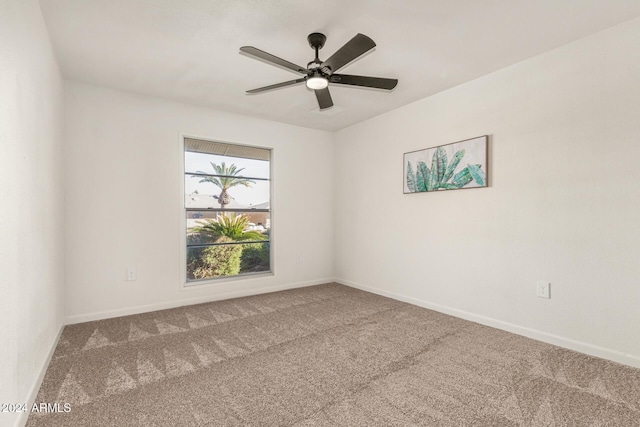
[88,317]
[35,387]
[579,346]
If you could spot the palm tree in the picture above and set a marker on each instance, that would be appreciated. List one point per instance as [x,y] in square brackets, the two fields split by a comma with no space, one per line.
[228,227]
[226,179]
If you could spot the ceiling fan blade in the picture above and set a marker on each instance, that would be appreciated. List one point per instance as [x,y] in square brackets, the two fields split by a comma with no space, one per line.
[275,86]
[351,50]
[324,98]
[250,50]
[375,82]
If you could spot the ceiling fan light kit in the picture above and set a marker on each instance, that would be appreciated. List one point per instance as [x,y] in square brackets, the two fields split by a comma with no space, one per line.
[318,74]
[317,82]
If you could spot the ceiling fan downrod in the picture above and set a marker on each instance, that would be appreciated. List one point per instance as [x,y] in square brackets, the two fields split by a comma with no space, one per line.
[316,41]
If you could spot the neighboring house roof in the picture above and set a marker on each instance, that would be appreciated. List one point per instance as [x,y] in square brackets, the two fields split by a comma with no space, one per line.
[206,201]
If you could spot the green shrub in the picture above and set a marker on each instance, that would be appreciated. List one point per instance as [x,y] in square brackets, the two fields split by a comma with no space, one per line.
[255,257]
[215,261]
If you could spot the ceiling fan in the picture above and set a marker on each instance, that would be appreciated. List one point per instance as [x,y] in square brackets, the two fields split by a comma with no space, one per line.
[319,74]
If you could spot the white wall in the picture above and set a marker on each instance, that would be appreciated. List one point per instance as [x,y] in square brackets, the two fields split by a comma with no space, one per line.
[31,221]
[125,198]
[563,203]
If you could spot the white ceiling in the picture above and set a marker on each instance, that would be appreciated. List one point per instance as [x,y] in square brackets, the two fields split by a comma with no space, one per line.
[187,50]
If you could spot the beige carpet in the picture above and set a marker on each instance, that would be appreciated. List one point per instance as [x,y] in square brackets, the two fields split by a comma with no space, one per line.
[325,355]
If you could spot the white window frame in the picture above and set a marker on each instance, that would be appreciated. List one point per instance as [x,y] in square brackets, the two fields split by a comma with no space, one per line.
[217,281]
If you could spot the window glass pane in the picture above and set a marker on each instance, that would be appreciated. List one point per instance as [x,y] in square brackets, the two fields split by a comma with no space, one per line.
[230,259]
[201,163]
[203,192]
[227,203]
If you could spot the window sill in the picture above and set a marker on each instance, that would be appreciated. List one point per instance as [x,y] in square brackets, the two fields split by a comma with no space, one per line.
[199,284]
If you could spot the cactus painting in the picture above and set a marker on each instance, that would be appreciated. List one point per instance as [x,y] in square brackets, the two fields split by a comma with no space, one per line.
[453,166]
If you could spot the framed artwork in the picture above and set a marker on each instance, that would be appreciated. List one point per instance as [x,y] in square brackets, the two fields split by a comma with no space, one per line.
[454,166]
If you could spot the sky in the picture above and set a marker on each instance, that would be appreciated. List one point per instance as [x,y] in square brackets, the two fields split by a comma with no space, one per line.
[256,194]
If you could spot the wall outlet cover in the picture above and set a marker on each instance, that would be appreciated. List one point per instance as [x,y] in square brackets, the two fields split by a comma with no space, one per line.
[543,289]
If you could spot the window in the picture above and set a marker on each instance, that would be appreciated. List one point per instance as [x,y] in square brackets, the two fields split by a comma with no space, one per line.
[228,211]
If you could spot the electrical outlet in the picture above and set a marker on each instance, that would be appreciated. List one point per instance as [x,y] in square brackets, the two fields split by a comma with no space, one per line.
[298,259]
[131,274]
[543,289]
